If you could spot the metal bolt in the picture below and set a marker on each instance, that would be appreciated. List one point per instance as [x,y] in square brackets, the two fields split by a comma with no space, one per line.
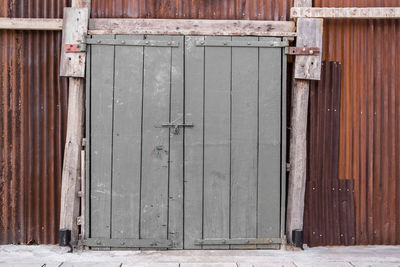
[99,42]
[311,52]
[225,43]
[249,43]
[202,42]
[122,42]
[169,43]
[147,42]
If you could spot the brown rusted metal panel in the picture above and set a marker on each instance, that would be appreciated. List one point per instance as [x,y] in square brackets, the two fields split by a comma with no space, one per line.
[329,209]
[193,9]
[33,109]
[370,116]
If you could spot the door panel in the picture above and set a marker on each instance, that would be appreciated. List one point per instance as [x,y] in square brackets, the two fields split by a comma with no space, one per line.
[136,163]
[127,140]
[185,142]
[244,138]
[233,93]
[101,137]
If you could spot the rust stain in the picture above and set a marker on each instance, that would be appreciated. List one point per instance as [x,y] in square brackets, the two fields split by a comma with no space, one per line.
[370,117]
[33,105]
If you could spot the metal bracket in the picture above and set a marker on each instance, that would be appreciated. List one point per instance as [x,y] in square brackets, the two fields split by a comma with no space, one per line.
[262,44]
[127,243]
[74,48]
[238,241]
[133,42]
[303,51]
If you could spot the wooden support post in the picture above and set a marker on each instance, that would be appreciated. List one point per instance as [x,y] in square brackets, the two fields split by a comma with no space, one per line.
[305,70]
[73,32]
[72,160]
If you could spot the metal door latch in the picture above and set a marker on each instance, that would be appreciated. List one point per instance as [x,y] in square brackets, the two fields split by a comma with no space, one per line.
[303,51]
[176,126]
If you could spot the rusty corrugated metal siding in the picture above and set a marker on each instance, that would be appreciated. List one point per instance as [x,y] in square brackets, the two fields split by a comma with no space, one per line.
[329,205]
[193,9]
[33,109]
[370,116]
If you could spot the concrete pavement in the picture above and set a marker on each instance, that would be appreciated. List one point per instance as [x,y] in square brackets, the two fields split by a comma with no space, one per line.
[49,256]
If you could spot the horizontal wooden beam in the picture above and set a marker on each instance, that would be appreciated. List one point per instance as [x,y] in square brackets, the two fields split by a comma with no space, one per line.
[348,13]
[191,27]
[31,24]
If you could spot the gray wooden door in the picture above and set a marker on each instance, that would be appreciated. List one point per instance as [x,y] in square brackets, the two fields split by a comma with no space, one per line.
[185,142]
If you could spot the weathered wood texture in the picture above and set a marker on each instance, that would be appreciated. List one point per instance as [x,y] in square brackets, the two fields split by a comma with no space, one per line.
[137,165]
[232,155]
[74,30]
[298,157]
[83,193]
[191,27]
[31,24]
[232,183]
[72,160]
[348,13]
[298,152]
[309,34]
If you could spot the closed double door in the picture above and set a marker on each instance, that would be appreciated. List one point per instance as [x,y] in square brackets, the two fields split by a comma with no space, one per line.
[185,142]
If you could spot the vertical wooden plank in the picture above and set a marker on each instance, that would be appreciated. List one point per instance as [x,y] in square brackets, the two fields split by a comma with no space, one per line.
[217,142]
[127,139]
[155,143]
[88,141]
[309,33]
[269,144]
[283,141]
[75,26]
[72,159]
[194,101]
[175,204]
[244,156]
[102,80]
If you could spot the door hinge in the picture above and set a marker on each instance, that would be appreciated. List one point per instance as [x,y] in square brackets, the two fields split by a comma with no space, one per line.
[302,51]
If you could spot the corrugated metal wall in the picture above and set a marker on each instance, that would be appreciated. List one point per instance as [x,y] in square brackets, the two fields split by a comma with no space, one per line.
[329,205]
[193,9]
[33,105]
[370,115]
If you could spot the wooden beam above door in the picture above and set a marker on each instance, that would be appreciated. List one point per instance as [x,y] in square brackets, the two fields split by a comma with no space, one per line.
[192,27]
